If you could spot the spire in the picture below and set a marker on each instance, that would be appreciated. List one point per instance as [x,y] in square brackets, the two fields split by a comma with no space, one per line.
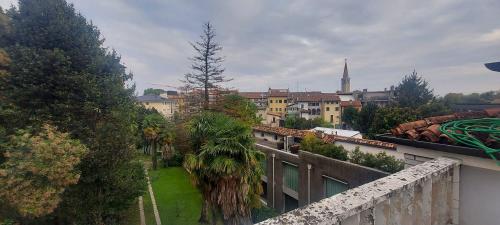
[345,81]
[346,73]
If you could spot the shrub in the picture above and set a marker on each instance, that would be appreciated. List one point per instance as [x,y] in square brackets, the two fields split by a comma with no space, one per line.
[380,161]
[333,151]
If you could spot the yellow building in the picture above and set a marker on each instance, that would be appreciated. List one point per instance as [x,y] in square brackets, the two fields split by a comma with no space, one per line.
[167,107]
[277,101]
[330,109]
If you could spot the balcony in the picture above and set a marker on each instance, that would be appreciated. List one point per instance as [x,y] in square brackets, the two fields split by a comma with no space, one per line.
[423,194]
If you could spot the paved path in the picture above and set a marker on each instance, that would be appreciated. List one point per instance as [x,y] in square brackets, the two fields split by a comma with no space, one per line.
[153,201]
[141,211]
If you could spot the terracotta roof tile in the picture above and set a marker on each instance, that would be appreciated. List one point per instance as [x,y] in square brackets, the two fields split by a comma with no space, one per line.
[427,129]
[325,137]
[253,95]
[350,103]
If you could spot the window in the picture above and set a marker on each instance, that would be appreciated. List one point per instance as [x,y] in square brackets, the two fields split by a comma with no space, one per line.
[270,101]
[336,108]
[301,106]
[262,134]
[331,118]
[279,101]
[276,109]
[275,136]
[280,109]
[271,109]
[290,176]
[284,101]
[333,186]
[327,108]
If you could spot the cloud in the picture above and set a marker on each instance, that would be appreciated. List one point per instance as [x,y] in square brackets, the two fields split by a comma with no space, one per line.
[302,44]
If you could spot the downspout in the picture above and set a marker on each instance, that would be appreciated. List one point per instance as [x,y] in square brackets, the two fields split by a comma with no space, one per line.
[274,156]
[309,166]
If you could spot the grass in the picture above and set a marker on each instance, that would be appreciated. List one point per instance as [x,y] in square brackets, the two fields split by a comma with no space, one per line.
[178,201]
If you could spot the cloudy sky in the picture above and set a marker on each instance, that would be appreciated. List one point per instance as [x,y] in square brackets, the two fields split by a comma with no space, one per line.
[302,44]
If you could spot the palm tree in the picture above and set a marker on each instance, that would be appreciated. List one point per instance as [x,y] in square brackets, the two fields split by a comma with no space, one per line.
[151,135]
[226,167]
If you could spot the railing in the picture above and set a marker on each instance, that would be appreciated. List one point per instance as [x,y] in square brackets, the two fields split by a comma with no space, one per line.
[423,194]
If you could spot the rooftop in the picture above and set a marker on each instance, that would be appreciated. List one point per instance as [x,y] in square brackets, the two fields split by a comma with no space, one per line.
[325,137]
[253,95]
[339,132]
[152,98]
[350,103]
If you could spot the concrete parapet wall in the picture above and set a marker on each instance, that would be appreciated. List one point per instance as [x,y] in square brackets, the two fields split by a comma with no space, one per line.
[422,194]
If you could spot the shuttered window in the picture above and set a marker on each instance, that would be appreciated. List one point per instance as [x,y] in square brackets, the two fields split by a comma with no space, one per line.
[291,176]
[333,187]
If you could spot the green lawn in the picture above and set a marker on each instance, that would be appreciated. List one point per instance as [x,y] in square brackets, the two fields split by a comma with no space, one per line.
[179,202]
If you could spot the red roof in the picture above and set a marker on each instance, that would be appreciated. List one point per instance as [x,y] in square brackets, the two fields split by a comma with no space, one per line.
[315,96]
[253,95]
[325,137]
[427,129]
[278,92]
[350,103]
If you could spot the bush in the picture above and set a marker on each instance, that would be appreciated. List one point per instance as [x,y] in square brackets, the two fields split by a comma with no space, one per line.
[176,160]
[380,161]
[334,151]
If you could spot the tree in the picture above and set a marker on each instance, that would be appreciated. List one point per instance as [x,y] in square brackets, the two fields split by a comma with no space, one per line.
[433,108]
[413,91]
[206,64]
[158,134]
[350,116]
[238,107]
[38,169]
[153,91]
[366,118]
[66,77]
[226,167]
[389,117]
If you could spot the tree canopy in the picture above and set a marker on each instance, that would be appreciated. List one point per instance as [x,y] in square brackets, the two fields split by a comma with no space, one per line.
[153,91]
[225,167]
[413,91]
[60,73]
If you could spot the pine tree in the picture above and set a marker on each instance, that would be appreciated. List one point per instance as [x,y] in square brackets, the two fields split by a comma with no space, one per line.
[413,91]
[206,64]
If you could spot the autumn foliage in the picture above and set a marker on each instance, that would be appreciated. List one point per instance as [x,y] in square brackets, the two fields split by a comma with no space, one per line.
[38,169]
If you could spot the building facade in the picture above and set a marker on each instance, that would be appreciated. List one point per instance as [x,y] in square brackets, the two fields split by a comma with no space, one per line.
[277,101]
[167,107]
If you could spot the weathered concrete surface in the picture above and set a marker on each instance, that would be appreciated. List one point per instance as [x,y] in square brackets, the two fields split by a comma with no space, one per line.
[422,194]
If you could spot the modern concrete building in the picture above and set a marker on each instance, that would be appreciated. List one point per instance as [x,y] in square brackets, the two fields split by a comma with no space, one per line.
[295,178]
[444,183]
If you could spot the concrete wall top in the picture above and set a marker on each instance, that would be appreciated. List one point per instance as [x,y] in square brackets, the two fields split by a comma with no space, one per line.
[337,209]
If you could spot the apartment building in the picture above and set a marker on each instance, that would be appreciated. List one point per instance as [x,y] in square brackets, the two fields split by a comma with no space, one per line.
[277,101]
[167,107]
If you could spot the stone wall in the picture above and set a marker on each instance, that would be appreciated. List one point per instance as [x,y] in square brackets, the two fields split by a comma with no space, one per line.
[427,193]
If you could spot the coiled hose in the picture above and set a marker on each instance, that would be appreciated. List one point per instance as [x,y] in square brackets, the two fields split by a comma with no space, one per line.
[468,132]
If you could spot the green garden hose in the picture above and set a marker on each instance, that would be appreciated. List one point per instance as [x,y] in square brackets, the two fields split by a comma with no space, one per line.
[466,132]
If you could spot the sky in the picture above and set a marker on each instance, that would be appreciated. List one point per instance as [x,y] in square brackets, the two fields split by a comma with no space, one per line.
[302,44]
